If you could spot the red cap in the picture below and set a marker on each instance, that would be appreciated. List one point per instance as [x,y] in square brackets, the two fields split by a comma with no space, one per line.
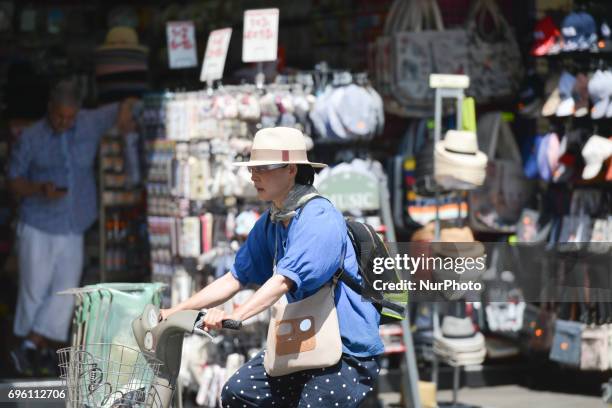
[545,35]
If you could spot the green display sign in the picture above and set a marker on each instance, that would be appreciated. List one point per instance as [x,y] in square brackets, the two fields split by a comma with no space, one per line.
[351,190]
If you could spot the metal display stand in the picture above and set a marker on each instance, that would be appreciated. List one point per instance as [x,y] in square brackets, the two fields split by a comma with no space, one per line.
[449,87]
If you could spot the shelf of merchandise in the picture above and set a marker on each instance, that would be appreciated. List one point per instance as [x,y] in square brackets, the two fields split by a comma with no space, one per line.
[112,212]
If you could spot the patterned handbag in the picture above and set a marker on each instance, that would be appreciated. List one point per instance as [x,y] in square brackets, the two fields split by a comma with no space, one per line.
[495,64]
[567,343]
[421,46]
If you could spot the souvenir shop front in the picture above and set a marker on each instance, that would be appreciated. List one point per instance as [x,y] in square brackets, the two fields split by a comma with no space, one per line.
[504,153]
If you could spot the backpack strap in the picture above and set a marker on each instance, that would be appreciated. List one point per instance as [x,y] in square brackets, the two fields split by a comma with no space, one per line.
[339,275]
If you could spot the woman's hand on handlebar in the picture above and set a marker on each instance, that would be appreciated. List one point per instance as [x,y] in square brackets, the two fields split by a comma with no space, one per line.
[214,318]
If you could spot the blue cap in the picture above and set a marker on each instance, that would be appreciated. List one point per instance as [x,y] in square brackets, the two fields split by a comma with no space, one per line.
[530,167]
[579,32]
[542,159]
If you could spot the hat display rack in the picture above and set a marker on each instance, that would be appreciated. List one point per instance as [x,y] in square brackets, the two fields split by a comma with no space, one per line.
[571,123]
[446,87]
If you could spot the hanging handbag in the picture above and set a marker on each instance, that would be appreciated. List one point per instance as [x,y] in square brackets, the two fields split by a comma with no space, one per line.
[601,236]
[567,340]
[497,205]
[505,308]
[575,233]
[420,47]
[495,63]
[594,349]
[382,46]
[530,229]
[305,334]
[539,322]
[567,343]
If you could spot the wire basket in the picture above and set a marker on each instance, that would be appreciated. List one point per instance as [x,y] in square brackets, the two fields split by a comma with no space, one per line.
[109,375]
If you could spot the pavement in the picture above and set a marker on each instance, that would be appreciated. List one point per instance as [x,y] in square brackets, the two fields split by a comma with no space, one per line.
[508,396]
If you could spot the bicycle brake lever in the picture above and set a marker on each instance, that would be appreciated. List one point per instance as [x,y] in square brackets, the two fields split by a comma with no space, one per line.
[200,323]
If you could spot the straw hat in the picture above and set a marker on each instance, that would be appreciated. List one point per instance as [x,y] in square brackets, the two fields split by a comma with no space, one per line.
[122,38]
[457,157]
[279,145]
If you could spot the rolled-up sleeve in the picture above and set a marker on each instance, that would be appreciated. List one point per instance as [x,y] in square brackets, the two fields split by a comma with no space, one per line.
[21,157]
[253,263]
[314,249]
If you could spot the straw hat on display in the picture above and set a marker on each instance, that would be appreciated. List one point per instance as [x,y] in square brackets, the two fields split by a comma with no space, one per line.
[279,145]
[122,38]
[457,161]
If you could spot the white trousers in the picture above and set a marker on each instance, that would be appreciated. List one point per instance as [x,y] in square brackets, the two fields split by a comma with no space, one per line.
[48,264]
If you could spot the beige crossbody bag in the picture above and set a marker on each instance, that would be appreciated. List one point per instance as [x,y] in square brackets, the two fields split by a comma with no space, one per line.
[305,334]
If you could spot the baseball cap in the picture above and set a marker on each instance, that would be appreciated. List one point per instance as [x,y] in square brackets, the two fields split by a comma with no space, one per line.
[334,125]
[355,110]
[580,93]
[552,103]
[553,152]
[530,167]
[551,88]
[571,28]
[600,92]
[596,150]
[545,35]
[542,159]
[565,169]
[566,85]
[588,39]
[579,32]
[530,96]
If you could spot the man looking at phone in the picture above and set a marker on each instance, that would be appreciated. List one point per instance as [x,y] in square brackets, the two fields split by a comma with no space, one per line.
[51,173]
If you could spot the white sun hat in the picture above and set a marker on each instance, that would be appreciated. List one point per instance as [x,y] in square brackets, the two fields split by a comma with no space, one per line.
[279,145]
[595,152]
[457,160]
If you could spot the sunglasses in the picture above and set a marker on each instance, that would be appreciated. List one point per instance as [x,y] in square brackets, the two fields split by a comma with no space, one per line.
[266,168]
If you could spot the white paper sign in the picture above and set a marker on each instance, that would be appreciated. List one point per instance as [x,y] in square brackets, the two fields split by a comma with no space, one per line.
[260,35]
[216,52]
[181,44]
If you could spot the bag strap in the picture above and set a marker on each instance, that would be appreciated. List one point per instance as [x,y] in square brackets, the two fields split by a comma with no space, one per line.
[407,16]
[392,17]
[477,16]
[435,15]
[339,275]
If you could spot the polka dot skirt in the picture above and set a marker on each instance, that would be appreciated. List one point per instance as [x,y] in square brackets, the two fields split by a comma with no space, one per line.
[345,384]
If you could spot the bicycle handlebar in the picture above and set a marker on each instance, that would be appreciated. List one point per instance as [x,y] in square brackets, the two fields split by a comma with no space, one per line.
[231,324]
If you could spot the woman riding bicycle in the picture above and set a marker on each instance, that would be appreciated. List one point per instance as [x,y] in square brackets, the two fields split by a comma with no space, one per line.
[308,243]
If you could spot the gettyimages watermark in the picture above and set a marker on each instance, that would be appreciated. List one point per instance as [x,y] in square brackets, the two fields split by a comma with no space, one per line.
[492,272]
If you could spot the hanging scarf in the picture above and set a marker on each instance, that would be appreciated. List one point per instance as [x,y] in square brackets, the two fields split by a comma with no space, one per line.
[297,196]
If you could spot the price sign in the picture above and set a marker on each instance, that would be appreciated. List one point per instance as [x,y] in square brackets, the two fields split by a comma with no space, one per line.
[181,44]
[260,36]
[216,52]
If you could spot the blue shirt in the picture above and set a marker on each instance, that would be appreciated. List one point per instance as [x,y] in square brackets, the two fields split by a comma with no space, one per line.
[67,160]
[309,253]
